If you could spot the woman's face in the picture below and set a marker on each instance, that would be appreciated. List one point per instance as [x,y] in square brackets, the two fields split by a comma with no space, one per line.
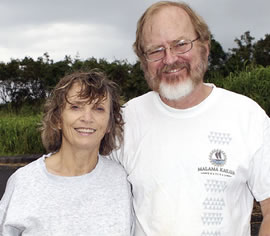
[84,124]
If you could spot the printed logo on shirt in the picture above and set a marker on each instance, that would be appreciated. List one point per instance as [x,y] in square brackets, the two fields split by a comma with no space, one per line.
[218,160]
[217,157]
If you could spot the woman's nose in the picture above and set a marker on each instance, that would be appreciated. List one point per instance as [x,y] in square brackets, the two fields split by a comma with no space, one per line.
[87,115]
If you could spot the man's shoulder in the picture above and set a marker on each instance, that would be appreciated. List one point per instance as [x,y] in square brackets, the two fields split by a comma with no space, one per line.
[237,99]
[139,109]
[141,99]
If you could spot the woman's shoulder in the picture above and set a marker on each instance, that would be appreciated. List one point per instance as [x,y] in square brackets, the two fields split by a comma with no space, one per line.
[111,167]
[22,178]
[28,171]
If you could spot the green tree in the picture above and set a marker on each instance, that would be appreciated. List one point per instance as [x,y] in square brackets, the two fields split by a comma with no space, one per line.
[262,51]
[242,55]
[216,61]
[136,84]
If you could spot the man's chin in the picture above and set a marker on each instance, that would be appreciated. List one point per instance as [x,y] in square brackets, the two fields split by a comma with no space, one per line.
[175,91]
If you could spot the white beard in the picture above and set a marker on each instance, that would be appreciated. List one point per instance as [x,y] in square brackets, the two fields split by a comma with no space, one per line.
[176,91]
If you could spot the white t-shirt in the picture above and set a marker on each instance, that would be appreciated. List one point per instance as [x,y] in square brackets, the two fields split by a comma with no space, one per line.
[194,172]
[38,203]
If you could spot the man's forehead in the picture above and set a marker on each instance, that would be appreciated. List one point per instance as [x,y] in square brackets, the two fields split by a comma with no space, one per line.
[169,15]
[169,23]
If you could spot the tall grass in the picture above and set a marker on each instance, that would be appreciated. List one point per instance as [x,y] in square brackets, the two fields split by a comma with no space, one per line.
[19,135]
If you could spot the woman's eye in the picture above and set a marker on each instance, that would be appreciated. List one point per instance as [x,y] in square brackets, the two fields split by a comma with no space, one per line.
[99,108]
[74,107]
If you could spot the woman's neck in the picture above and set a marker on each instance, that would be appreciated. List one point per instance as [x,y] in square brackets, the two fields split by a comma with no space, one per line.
[72,162]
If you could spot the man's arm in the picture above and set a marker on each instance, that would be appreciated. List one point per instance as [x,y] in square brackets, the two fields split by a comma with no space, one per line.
[265,226]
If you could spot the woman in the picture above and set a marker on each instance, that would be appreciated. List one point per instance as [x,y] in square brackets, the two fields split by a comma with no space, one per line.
[73,190]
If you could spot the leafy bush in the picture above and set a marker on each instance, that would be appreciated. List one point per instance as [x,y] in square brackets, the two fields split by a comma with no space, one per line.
[253,82]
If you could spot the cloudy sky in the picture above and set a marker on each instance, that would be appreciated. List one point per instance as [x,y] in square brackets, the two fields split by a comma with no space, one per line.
[106,28]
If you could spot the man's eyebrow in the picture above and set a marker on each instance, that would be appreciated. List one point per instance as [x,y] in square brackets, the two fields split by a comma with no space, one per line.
[153,47]
[179,39]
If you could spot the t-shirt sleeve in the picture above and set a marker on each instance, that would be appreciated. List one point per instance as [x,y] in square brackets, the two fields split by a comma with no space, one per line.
[260,167]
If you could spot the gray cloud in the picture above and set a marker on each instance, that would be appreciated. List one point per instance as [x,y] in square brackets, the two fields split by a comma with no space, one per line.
[106,29]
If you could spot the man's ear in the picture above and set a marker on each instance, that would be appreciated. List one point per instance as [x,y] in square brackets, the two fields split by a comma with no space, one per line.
[206,45]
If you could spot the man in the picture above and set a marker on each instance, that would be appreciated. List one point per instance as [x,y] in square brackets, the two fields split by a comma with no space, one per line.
[195,154]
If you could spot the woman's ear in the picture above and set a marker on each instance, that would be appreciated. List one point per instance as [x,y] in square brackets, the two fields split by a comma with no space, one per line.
[59,125]
[109,127]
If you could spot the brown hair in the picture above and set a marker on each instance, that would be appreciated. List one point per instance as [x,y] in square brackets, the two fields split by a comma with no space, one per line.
[200,27]
[94,86]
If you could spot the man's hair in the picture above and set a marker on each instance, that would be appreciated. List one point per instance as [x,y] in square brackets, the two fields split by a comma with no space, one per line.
[200,27]
[94,87]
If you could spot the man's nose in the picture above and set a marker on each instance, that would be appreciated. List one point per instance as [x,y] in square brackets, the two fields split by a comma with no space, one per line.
[170,57]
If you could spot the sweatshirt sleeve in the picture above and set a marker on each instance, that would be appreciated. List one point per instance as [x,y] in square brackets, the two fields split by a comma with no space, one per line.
[4,207]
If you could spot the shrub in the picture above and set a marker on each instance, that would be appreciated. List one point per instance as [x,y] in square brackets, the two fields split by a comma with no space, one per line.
[254,83]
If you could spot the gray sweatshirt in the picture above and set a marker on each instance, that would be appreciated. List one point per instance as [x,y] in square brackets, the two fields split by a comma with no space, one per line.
[38,203]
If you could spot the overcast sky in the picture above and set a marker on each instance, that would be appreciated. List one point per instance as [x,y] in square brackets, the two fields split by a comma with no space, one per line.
[106,28]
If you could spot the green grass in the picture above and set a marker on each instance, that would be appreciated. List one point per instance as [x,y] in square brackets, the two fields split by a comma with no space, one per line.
[19,135]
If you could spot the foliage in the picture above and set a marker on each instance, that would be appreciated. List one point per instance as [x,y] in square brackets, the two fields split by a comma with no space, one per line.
[217,57]
[253,82]
[242,55]
[20,135]
[28,81]
[262,51]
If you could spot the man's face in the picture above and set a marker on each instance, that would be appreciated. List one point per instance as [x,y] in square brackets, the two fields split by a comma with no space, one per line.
[174,76]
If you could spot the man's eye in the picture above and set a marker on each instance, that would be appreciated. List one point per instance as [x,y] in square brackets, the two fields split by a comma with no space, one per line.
[181,44]
[156,51]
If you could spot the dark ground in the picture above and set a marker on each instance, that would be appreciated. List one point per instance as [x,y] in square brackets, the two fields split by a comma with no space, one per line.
[8,167]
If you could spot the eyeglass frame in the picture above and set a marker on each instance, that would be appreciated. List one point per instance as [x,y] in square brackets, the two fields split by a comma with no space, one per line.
[170,47]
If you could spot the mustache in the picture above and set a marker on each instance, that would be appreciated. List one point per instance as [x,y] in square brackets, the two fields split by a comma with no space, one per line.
[176,65]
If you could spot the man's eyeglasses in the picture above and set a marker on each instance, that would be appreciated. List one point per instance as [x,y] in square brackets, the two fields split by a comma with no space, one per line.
[179,47]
